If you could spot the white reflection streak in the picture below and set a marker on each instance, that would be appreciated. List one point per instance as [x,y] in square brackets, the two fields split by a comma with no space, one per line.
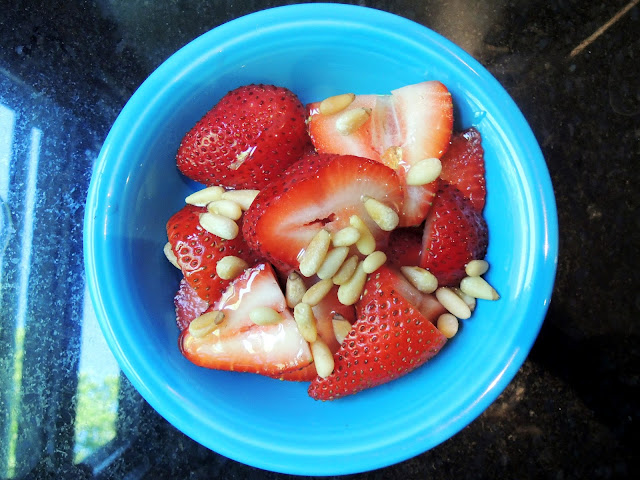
[27,229]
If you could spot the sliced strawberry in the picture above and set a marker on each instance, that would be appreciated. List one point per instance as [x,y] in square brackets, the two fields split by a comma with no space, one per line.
[463,166]
[405,247]
[198,252]
[326,311]
[321,191]
[455,233]
[188,305]
[240,345]
[247,139]
[391,337]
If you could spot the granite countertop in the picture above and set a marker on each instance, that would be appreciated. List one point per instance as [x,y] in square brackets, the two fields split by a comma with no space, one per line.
[67,69]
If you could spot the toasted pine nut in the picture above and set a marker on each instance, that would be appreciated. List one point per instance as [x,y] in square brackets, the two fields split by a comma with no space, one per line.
[336,104]
[219,225]
[366,244]
[244,198]
[384,216]
[323,358]
[349,293]
[374,261]
[346,271]
[227,208]
[264,316]
[205,323]
[168,252]
[447,324]
[478,287]
[315,253]
[422,279]
[452,302]
[294,289]
[475,268]
[303,315]
[204,196]
[468,299]
[341,327]
[425,171]
[391,157]
[351,120]
[345,237]
[332,262]
[317,292]
[230,267]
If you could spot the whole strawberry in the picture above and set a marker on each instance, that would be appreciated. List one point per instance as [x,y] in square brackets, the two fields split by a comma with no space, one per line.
[248,138]
[455,233]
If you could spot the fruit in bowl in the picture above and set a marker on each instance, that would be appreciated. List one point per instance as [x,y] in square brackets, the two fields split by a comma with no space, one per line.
[317,52]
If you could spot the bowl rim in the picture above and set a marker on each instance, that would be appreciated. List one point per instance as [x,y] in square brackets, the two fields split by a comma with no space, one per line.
[546,269]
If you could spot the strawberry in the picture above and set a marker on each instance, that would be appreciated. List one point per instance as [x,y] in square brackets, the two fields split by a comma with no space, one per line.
[413,123]
[247,139]
[198,252]
[240,345]
[188,305]
[393,335]
[405,247]
[455,233]
[321,191]
[463,166]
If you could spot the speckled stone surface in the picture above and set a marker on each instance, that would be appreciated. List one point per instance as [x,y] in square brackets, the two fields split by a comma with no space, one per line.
[66,70]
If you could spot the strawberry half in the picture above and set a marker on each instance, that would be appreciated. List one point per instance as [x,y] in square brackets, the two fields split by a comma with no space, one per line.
[198,252]
[321,191]
[188,305]
[405,247]
[394,334]
[455,233]
[240,345]
[247,139]
[463,166]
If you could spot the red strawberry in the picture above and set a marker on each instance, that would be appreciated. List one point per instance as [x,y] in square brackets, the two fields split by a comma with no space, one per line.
[463,166]
[247,139]
[240,345]
[198,252]
[390,338]
[321,191]
[417,118]
[455,233]
[405,247]
[188,305]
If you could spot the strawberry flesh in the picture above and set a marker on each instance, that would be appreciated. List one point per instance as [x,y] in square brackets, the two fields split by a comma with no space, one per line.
[188,305]
[405,247]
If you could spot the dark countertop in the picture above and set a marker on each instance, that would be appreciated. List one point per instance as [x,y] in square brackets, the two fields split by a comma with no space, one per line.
[66,70]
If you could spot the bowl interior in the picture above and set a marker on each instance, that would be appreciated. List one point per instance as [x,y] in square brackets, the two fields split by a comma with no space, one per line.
[316,51]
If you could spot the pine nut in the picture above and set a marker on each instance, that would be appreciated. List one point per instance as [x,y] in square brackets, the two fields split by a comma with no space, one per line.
[230,267]
[264,316]
[478,287]
[317,292]
[366,244]
[374,261]
[336,104]
[385,217]
[294,289]
[227,208]
[219,225]
[391,157]
[475,268]
[204,196]
[452,302]
[315,253]
[341,327]
[349,293]
[303,315]
[422,279]
[205,323]
[332,262]
[244,198]
[447,324]
[168,252]
[323,358]
[346,271]
[425,171]
[345,237]
[468,299]
[351,120]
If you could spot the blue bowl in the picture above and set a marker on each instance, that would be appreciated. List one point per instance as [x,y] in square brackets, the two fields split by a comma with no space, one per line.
[316,51]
